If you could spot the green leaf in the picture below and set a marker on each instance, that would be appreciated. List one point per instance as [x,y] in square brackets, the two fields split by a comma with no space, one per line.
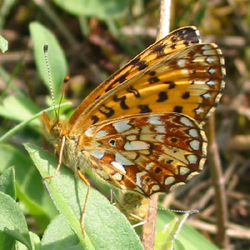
[101,9]
[178,245]
[3,44]
[60,239]
[29,186]
[12,220]
[58,65]
[105,226]
[6,241]
[165,238]
[18,108]
[7,183]
[7,180]
[35,240]
[187,236]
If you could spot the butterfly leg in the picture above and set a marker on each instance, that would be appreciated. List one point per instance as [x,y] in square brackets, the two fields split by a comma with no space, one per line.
[59,160]
[81,175]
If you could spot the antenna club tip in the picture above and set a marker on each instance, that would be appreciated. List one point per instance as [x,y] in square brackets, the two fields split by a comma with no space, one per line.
[66,79]
[45,48]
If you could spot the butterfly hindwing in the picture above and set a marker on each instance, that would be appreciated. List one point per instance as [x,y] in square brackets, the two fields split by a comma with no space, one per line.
[146,153]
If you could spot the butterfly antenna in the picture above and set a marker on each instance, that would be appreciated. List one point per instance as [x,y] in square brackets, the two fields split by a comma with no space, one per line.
[65,81]
[46,49]
[195,211]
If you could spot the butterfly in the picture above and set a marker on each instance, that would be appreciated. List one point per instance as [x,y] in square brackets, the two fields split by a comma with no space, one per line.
[141,129]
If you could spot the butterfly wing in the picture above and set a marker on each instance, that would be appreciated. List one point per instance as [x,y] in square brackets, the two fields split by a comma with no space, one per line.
[190,81]
[176,40]
[146,153]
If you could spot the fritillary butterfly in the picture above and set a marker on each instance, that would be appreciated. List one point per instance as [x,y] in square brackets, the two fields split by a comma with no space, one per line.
[141,129]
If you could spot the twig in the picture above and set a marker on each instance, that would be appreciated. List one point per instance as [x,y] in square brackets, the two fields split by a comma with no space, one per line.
[148,234]
[218,183]
[239,143]
[148,229]
[234,231]
[164,23]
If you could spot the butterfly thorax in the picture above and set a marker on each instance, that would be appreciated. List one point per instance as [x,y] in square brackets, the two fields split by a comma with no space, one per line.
[55,131]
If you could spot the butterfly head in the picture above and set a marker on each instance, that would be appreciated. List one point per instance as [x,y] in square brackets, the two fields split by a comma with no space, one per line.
[52,128]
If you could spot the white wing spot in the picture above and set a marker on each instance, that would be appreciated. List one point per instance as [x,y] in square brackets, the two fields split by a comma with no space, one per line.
[117,176]
[155,188]
[209,50]
[205,47]
[122,126]
[136,145]
[155,120]
[192,159]
[169,180]
[118,166]
[207,96]
[211,71]
[101,133]
[160,138]
[210,83]
[149,166]
[199,82]
[184,170]
[123,160]
[122,187]
[138,178]
[186,121]
[199,111]
[176,185]
[211,59]
[181,63]
[131,137]
[160,129]
[89,132]
[97,153]
[198,35]
[184,72]
[194,144]
[193,133]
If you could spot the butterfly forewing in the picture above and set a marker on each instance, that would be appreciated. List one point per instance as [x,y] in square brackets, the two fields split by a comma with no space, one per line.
[146,153]
[189,81]
[176,40]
